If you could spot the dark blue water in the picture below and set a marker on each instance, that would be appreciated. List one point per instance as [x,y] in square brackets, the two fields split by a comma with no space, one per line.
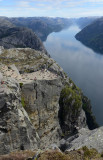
[84,66]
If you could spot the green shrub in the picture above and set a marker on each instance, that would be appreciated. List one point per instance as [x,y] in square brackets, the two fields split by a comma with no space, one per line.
[21,84]
[68,95]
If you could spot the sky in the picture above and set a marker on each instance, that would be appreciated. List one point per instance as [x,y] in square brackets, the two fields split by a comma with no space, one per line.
[51,8]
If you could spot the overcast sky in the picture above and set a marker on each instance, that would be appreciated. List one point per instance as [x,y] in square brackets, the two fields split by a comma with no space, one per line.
[51,8]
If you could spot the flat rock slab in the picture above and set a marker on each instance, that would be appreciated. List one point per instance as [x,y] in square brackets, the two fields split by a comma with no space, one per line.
[39,75]
[43,74]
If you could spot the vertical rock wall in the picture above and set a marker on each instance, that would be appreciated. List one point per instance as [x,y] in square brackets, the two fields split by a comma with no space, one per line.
[42,105]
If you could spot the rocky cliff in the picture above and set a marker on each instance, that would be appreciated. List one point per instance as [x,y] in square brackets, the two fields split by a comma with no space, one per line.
[16,130]
[18,37]
[39,104]
[30,101]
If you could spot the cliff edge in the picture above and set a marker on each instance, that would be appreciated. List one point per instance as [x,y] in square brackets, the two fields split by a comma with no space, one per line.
[39,104]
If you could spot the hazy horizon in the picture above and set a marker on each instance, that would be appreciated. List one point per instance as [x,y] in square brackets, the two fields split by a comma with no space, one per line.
[50,17]
[51,8]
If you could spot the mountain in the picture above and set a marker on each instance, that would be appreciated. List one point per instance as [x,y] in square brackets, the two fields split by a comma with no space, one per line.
[5,22]
[21,32]
[19,37]
[84,21]
[42,26]
[92,36]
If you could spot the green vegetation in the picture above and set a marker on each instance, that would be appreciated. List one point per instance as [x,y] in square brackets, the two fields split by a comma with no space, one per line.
[81,154]
[70,97]
[91,121]
[23,102]
[21,84]
[74,87]
[86,105]
[70,106]
[90,153]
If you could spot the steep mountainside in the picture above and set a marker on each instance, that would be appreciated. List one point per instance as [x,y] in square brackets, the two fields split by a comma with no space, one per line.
[42,26]
[19,37]
[85,21]
[92,36]
[5,22]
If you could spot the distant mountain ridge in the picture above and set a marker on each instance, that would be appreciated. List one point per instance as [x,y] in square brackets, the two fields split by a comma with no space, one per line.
[42,26]
[85,21]
[92,35]
[21,32]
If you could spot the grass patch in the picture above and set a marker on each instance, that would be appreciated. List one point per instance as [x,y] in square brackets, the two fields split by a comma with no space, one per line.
[90,153]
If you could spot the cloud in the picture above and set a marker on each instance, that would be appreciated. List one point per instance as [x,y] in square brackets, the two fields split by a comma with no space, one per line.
[24,4]
[60,8]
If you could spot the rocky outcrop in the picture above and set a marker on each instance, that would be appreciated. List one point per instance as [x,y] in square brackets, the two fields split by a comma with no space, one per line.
[29,60]
[85,137]
[39,104]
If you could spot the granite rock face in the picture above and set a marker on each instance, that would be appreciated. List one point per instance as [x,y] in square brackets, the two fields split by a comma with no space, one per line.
[16,130]
[30,106]
[42,105]
[85,137]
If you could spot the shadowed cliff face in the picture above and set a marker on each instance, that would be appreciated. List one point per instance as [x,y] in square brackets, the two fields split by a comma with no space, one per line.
[16,37]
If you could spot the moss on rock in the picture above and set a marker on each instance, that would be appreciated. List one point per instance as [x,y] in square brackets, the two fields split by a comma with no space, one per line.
[23,102]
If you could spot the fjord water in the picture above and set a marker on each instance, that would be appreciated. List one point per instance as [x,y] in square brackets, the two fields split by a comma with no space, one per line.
[83,65]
